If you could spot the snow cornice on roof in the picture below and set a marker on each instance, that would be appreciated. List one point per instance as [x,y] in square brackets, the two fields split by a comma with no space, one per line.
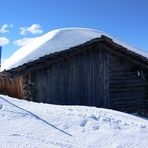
[62,40]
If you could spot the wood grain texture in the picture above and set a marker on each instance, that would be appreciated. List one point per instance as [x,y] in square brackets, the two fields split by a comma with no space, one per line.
[12,87]
[99,73]
[127,86]
[77,80]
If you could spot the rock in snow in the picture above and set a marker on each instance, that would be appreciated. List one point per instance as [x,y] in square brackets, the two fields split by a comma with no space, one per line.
[35,125]
[58,40]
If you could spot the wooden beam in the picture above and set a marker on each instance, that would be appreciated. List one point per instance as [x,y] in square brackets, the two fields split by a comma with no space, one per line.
[116,53]
[47,61]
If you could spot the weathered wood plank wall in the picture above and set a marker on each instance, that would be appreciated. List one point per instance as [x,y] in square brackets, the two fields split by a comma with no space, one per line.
[146,90]
[13,88]
[78,80]
[95,76]
[127,86]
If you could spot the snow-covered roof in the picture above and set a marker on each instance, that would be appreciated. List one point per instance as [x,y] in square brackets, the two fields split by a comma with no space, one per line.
[56,41]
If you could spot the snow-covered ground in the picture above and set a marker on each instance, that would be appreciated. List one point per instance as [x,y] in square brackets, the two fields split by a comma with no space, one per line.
[37,125]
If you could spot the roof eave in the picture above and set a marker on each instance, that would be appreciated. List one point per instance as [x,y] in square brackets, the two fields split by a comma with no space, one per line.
[108,42]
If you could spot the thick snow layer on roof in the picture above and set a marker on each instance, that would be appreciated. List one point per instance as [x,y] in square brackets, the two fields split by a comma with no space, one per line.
[55,41]
[30,125]
[51,42]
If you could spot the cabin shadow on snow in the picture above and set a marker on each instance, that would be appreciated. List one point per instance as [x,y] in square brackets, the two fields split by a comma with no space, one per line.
[97,73]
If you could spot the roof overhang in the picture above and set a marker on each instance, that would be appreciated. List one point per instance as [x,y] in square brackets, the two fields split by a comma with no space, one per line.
[105,42]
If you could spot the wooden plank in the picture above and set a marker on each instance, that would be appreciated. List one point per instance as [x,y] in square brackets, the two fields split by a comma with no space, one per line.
[76,80]
[106,80]
[126,87]
[121,55]
[13,88]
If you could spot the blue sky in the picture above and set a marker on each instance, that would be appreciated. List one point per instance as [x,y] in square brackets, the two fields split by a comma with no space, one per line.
[24,19]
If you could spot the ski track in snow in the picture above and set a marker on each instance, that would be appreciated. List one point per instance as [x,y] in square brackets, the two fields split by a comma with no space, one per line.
[34,115]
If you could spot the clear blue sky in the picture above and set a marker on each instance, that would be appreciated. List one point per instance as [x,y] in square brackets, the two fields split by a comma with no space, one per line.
[124,19]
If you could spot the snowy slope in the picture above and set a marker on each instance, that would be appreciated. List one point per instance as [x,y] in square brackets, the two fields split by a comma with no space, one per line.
[58,40]
[35,125]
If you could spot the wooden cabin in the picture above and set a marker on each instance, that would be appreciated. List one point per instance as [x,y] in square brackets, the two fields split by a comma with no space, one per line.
[97,73]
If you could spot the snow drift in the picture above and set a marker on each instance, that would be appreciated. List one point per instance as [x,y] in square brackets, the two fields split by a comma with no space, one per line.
[28,124]
[56,41]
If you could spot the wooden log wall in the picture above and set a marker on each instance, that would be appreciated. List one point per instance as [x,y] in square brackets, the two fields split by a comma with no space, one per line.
[127,87]
[11,87]
[146,90]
